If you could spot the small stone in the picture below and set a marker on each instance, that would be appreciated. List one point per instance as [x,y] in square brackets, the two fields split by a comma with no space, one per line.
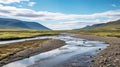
[105,60]
[117,54]
[99,49]
[74,64]
[90,56]
[75,60]
[101,56]
[92,61]
[108,65]
[116,60]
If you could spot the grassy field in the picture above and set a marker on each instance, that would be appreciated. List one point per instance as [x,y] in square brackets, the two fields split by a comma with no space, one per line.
[9,49]
[17,34]
[105,33]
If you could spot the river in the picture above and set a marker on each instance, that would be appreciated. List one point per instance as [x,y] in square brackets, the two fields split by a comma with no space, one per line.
[53,58]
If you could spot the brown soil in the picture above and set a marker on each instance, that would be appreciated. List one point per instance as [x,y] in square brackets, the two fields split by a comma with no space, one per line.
[109,57]
[46,46]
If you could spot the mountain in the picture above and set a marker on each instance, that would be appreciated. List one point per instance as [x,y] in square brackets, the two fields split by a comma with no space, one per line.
[113,25]
[6,23]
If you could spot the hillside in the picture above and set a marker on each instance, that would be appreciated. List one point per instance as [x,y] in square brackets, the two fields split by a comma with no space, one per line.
[6,23]
[113,25]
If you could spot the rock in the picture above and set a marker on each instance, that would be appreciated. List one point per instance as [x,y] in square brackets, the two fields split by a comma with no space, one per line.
[116,60]
[74,64]
[75,60]
[117,54]
[92,61]
[108,65]
[99,49]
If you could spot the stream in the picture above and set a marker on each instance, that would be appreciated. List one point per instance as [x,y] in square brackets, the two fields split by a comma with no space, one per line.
[56,57]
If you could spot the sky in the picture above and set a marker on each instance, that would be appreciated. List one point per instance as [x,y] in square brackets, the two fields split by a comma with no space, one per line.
[62,14]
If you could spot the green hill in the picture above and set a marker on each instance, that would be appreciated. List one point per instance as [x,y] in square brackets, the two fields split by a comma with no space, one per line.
[113,25]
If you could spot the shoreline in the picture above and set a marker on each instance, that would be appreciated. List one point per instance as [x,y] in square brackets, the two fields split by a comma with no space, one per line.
[33,51]
[110,56]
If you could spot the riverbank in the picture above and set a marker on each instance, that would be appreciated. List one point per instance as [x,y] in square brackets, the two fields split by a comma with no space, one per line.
[109,57]
[17,51]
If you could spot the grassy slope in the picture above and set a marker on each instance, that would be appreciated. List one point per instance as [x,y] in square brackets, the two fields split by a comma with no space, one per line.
[110,29]
[113,25]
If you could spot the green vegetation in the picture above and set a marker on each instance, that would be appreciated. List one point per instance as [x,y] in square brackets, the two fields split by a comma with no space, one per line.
[113,25]
[10,49]
[105,33]
[110,29]
[18,34]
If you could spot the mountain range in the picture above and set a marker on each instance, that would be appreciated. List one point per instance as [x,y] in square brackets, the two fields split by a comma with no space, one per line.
[6,23]
[112,25]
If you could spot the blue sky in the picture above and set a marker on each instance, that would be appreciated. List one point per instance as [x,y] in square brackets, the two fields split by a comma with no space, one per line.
[62,14]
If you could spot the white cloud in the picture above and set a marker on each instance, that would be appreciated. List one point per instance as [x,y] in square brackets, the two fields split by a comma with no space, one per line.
[31,3]
[44,15]
[70,21]
[114,5]
[11,1]
[75,24]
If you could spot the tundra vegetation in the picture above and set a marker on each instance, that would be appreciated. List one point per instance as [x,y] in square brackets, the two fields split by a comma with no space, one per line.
[104,33]
[19,34]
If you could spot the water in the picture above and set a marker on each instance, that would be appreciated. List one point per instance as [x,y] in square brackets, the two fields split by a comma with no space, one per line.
[73,47]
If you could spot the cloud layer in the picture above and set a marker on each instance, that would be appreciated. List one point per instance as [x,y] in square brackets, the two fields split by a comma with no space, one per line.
[64,20]
[11,1]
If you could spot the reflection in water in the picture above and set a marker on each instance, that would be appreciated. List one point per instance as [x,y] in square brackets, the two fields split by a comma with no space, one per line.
[74,47]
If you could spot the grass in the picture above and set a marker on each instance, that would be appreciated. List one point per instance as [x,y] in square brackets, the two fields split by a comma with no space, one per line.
[10,49]
[104,33]
[17,34]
